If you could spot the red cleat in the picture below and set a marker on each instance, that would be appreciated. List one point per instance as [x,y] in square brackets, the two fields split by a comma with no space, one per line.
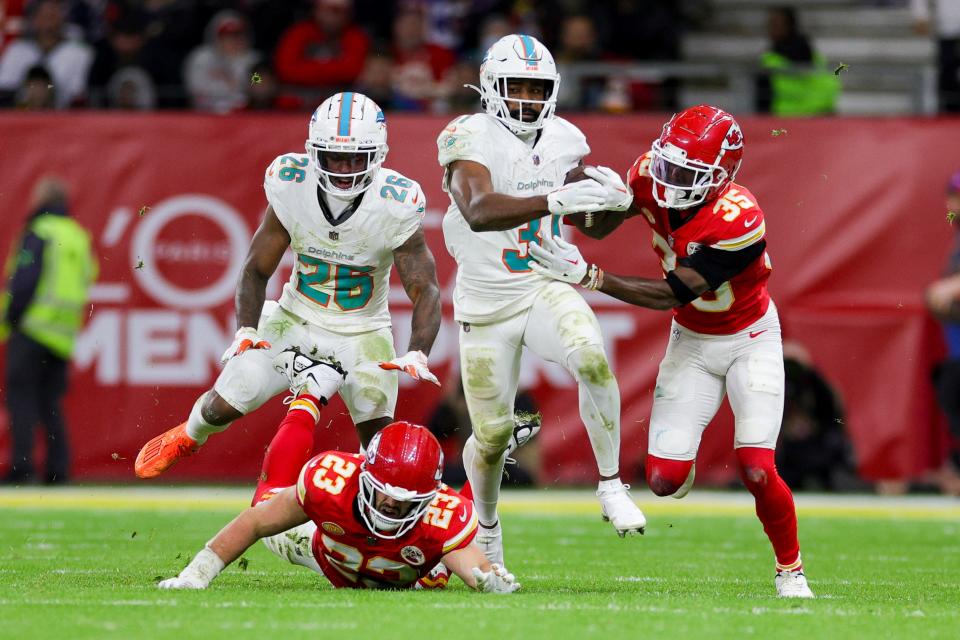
[162,452]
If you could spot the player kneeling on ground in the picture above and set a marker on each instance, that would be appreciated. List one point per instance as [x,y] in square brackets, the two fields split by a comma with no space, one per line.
[381,520]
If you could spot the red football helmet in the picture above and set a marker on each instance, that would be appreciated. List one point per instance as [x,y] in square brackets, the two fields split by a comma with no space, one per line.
[404,462]
[697,155]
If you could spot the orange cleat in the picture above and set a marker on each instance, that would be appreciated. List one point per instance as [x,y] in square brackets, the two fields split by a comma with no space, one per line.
[162,452]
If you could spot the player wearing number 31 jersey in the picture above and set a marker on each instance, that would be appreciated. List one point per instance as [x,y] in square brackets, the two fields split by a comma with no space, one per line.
[505,171]
[381,520]
[348,220]
[710,235]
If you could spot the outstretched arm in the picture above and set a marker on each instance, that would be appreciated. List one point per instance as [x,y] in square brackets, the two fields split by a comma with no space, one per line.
[475,570]
[269,518]
[656,293]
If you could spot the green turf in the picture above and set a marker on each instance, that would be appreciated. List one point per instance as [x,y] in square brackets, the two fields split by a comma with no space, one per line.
[82,573]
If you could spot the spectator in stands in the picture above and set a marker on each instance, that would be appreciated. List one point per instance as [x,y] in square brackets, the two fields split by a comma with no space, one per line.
[327,52]
[41,311]
[578,43]
[218,72]
[418,66]
[37,92]
[943,301]
[797,81]
[457,96]
[640,29]
[946,27]
[46,43]
[132,89]
[122,48]
[814,451]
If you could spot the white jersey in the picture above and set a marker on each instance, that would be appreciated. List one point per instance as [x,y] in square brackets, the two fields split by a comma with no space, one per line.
[341,279]
[494,280]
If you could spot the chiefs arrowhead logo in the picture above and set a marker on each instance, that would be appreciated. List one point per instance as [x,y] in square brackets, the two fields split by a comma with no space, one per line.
[734,138]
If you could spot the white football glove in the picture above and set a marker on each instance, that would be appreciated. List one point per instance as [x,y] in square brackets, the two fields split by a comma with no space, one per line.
[414,363]
[558,259]
[245,338]
[204,567]
[618,197]
[497,580]
[577,197]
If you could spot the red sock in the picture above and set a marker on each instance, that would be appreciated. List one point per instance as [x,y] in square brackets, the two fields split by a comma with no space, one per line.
[467,491]
[774,504]
[664,476]
[290,448]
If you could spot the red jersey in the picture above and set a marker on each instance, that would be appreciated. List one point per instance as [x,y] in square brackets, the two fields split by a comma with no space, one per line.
[729,222]
[349,554]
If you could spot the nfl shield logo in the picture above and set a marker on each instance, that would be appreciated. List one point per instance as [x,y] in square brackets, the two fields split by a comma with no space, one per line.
[334,235]
[536,160]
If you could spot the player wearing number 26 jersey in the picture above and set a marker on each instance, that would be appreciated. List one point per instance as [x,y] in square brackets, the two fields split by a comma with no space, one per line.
[710,235]
[348,221]
[380,520]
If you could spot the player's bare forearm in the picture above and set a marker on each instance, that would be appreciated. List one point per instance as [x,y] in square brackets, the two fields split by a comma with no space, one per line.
[268,518]
[462,562]
[650,293]
[266,249]
[418,274]
[483,208]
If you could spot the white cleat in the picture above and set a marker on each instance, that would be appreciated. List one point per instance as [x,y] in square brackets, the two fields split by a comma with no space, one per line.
[617,508]
[490,541]
[687,484]
[792,584]
[320,377]
[526,426]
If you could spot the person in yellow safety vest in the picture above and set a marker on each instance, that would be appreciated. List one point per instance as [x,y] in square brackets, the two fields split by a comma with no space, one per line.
[48,277]
[797,81]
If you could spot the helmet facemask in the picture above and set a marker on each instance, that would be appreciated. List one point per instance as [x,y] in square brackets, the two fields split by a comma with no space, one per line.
[495,94]
[339,170]
[680,182]
[383,525]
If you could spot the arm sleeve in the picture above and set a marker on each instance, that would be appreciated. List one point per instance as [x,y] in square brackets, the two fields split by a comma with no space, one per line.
[26,276]
[718,265]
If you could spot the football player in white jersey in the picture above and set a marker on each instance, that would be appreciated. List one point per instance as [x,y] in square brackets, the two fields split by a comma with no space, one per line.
[348,219]
[505,171]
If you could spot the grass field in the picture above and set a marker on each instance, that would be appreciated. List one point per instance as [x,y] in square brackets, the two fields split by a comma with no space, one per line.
[83,563]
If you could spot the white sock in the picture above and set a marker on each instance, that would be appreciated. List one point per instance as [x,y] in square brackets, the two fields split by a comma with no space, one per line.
[609,485]
[485,480]
[198,428]
[599,406]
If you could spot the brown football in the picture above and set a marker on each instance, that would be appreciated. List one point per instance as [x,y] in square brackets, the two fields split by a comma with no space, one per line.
[576,175]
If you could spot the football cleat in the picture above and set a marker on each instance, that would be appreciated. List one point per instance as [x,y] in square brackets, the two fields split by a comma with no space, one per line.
[162,452]
[438,578]
[319,377]
[617,508]
[687,484]
[490,541]
[792,584]
[526,426]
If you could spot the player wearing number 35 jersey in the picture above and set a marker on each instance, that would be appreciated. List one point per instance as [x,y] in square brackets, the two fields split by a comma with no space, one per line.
[505,172]
[710,235]
[381,520]
[348,220]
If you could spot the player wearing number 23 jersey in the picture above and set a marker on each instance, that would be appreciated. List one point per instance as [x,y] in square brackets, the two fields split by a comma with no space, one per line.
[381,520]
[348,221]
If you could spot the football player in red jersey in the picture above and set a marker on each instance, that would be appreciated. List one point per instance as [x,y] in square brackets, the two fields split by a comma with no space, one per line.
[378,520]
[710,236]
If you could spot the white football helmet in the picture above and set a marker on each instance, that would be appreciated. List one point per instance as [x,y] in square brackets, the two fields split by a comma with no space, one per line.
[518,56]
[347,123]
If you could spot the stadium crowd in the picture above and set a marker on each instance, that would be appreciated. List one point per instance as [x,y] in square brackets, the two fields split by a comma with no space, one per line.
[225,56]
